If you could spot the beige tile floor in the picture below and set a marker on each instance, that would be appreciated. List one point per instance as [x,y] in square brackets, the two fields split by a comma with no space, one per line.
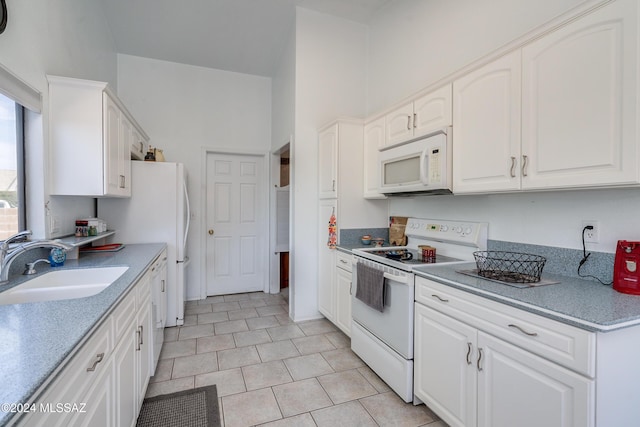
[270,371]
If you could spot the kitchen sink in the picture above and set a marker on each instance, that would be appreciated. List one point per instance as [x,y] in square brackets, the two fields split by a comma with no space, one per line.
[63,284]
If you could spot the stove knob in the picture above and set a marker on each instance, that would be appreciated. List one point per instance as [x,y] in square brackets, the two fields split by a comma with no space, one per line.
[458,229]
[444,228]
[468,230]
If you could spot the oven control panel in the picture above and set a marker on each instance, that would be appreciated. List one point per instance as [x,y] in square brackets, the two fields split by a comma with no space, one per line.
[461,232]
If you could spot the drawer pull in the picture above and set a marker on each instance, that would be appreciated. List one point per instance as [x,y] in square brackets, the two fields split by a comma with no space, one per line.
[441,299]
[343,261]
[479,359]
[531,334]
[525,160]
[350,288]
[139,332]
[99,358]
[469,347]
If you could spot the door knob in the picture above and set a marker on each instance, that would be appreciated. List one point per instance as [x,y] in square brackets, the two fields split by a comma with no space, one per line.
[210,232]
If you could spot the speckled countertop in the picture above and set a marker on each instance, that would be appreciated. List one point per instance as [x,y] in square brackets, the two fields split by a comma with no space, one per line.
[582,303]
[38,339]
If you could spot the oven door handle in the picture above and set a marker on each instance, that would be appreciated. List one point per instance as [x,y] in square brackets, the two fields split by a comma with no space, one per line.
[401,279]
[424,178]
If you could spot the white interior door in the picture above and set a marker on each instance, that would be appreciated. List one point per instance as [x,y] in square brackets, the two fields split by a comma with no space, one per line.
[237,224]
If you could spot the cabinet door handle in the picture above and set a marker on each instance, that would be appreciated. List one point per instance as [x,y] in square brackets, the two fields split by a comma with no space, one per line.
[513,167]
[525,160]
[469,348]
[333,185]
[141,147]
[479,359]
[162,289]
[531,334]
[409,122]
[99,358]
[441,299]
[415,120]
[350,288]
[122,181]
[138,340]
[141,334]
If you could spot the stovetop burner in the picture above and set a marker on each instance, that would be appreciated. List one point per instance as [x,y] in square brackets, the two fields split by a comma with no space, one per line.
[410,256]
[450,239]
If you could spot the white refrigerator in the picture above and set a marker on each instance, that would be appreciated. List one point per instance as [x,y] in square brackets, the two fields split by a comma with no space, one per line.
[158,211]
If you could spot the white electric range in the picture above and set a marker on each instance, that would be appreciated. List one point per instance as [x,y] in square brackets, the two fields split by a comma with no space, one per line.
[384,340]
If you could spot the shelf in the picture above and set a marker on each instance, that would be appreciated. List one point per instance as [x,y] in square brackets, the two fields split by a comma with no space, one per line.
[76,242]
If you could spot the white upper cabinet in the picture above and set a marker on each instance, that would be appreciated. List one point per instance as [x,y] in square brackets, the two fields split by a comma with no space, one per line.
[373,141]
[486,127]
[558,113]
[579,95]
[137,145]
[399,125]
[328,163]
[90,129]
[419,117]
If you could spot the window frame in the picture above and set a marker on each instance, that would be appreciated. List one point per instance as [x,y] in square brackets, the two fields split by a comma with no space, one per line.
[21,168]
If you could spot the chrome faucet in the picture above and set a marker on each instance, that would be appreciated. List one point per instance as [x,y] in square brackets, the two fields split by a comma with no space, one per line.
[30,267]
[7,255]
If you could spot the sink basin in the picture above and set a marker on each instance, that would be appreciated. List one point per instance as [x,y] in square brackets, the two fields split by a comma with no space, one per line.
[63,284]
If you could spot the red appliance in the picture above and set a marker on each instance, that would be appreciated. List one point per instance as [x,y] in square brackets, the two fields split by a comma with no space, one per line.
[626,268]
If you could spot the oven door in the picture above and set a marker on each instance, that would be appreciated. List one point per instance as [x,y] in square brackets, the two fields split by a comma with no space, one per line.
[394,325]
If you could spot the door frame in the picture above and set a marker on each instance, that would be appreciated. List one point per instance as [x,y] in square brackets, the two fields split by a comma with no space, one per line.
[274,256]
[265,223]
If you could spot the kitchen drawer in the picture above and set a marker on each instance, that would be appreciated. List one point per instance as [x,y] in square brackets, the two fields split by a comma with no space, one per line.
[77,375]
[344,261]
[564,344]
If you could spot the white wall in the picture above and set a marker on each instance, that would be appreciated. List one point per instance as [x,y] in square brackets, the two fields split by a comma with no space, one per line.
[330,61]
[414,43]
[283,96]
[549,219]
[184,108]
[60,37]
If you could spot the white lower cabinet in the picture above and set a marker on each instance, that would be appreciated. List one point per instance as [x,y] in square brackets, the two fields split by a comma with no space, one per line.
[343,286]
[158,306]
[105,382]
[445,375]
[144,341]
[125,377]
[518,388]
[470,377]
[100,399]
[326,261]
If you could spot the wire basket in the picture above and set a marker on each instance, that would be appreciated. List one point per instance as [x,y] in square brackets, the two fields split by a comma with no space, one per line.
[512,267]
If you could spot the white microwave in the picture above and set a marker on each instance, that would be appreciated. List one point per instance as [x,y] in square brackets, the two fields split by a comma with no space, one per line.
[422,166]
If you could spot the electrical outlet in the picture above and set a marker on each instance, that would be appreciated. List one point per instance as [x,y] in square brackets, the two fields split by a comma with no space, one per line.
[591,236]
[54,224]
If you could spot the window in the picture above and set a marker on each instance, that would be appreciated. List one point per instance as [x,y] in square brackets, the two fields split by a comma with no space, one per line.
[12,206]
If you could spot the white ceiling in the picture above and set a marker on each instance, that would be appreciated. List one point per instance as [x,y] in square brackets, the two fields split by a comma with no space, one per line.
[245,36]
